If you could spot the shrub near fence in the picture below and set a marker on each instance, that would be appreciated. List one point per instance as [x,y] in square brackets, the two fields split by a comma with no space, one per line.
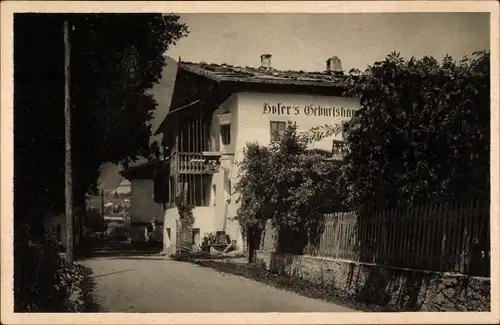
[447,237]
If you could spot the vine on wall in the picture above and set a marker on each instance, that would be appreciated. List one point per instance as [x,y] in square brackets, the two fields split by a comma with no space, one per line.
[185,210]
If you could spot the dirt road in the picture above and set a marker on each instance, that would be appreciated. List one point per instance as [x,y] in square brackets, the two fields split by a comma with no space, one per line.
[154,284]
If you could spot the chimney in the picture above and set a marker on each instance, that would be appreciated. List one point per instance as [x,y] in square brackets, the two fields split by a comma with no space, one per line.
[265,61]
[334,66]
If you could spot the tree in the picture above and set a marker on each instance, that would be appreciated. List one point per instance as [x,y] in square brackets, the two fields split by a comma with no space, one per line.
[115,59]
[422,131]
[289,185]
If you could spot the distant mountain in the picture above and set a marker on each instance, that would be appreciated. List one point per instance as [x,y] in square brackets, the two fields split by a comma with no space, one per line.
[110,177]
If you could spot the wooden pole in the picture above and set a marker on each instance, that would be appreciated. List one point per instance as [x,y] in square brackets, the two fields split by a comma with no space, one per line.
[102,212]
[67,129]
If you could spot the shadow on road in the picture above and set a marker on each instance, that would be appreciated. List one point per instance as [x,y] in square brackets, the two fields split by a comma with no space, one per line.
[111,273]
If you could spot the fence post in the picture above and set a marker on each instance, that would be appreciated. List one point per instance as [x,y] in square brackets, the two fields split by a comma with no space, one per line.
[384,235]
[463,233]
[436,209]
[361,239]
[392,244]
[468,236]
[454,254]
[401,220]
[353,220]
[444,240]
[414,243]
[406,239]
[371,231]
[424,262]
[380,239]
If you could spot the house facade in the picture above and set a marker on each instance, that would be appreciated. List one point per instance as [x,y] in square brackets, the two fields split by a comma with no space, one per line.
[215,111]
[144,208]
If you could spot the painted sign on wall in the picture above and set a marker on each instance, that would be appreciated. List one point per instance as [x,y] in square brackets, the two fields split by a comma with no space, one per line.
[307,110]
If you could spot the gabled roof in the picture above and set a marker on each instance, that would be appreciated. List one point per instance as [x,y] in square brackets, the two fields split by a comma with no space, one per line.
[227,73]
[199,85]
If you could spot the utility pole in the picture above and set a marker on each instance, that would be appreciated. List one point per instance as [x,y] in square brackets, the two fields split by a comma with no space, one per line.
[102,212]
[67,138]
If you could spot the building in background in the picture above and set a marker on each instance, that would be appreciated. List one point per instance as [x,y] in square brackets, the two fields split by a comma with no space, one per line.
[215,111]
[144,207]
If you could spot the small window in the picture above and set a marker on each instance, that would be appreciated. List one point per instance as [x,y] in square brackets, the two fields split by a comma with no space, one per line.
[213,197]
[277,129]
[228,191]
[338,149]
[196,236]
[225,133]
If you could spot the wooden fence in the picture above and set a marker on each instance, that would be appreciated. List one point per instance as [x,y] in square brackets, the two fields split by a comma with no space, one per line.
[448,237]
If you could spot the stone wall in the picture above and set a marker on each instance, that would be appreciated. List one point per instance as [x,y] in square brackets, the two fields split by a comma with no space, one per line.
[402,289]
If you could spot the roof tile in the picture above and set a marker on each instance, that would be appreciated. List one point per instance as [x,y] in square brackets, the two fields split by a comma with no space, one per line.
[226,72]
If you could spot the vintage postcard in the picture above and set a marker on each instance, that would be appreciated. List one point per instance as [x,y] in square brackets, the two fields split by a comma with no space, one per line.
[249,162]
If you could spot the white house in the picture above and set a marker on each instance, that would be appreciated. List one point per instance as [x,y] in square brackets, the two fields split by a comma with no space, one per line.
[144,209]
[215,111]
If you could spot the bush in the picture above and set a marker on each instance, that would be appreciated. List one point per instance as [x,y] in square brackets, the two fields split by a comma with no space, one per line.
[422,132]
[290,185]
[43,279]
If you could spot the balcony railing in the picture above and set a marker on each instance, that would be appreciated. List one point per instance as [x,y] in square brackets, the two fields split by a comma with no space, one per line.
[195,163]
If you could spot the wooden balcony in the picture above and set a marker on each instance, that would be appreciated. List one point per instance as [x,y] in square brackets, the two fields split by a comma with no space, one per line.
[194,163]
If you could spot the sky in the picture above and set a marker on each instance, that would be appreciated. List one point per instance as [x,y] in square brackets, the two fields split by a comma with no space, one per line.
[306,41]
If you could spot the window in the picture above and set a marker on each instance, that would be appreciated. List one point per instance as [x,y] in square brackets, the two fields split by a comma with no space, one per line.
[196,236]
[213,197]
[225,133]
[338,149]
[196,188]
[228,191]
[277,129]
[171,190]
[207,185]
